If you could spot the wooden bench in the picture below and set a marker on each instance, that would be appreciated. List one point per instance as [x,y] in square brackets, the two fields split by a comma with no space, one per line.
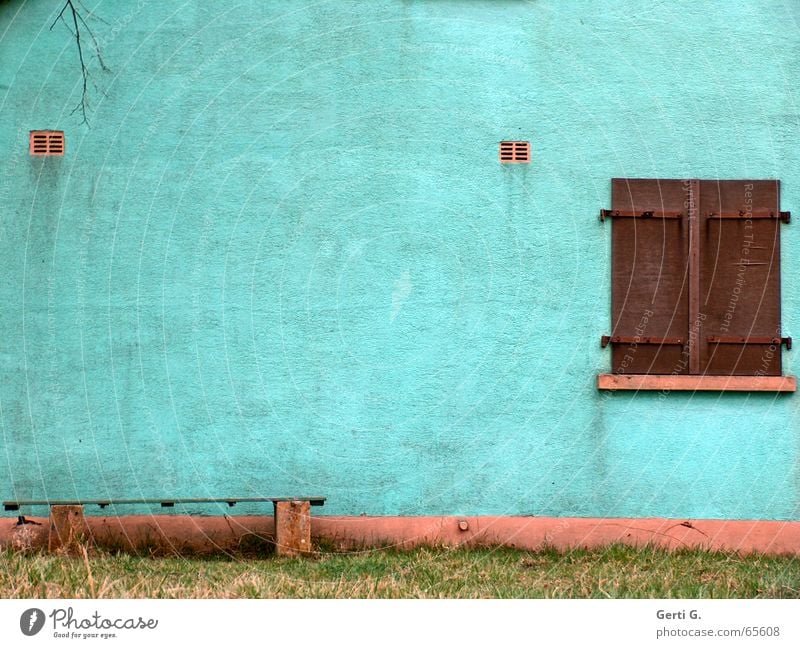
[67,522]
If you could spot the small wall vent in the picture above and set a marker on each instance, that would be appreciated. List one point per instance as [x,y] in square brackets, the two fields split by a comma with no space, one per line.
[515,152]
[47,143]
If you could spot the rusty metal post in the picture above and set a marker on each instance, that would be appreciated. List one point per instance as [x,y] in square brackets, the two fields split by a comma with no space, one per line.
[292,528]
[67,529]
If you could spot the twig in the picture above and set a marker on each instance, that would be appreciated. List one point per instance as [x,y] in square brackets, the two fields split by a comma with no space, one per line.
[94,42]
[89,13]
[77,20]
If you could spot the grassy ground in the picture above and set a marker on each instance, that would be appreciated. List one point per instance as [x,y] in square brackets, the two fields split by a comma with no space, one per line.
[617,571]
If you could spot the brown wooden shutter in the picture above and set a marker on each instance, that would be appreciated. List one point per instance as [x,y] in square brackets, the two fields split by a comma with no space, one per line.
[650,282]
[740,289]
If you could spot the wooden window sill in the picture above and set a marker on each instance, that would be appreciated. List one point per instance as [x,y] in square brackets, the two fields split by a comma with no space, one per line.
[641,382]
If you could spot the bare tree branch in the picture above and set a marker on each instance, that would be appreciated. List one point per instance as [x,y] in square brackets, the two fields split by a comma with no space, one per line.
[75,30]
[94,42]
[89,12]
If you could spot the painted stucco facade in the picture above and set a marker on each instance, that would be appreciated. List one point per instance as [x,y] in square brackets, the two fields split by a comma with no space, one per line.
[283,258]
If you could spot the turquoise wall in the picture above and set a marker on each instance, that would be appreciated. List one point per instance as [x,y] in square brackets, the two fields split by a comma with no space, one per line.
[284,259]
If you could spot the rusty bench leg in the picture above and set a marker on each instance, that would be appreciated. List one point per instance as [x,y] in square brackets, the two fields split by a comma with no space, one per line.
[292,528]
[67,529]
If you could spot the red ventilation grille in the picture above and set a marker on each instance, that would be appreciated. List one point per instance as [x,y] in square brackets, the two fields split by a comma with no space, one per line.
[47,143]
[515,152]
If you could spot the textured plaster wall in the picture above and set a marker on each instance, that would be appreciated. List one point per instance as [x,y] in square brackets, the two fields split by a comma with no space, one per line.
[283,258]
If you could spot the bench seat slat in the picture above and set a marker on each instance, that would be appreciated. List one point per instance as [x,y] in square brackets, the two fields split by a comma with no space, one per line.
[13,505]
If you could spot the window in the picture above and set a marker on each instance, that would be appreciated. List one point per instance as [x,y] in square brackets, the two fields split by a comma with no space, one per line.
[46,143]
[695,289]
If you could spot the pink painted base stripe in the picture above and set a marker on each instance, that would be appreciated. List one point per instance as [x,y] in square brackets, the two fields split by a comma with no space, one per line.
[209,534]
[776,537]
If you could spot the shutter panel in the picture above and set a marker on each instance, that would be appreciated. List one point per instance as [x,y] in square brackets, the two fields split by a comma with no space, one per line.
[740,300]
[650,283]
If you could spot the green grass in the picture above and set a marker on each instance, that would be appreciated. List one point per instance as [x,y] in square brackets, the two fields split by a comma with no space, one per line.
[614,572]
